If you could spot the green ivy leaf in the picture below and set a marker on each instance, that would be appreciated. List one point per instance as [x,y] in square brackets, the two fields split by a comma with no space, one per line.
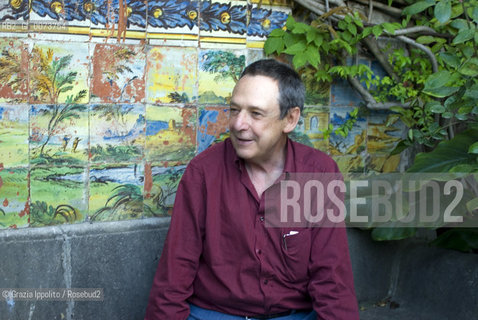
[426,39]
[418,7]
[470,68]
[273,45]
[352,29]
[438,79]
[377,31]
[473,148]
[300,28]
[277,33]
[436,107]
[296,48]
[464,35]
[313,56]
[299,60]
[450,59]
[459,24]
[443,11]
[290,23]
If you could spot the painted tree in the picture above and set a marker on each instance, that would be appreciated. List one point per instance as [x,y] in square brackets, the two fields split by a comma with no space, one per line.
[119,66]
[50,80]
[225,64]
[115,113]
[11,73]
[52,77]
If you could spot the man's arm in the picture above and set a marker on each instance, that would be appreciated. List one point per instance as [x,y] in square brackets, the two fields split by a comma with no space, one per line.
[177,268]
[331,285]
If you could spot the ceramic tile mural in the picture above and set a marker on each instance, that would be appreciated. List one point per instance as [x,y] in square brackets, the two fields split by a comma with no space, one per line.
[160,184]
[116,192]
[219,71]
[309,130]
[383,132]
[58,134]
[118,73]
[171,75]
[117,133]
[59,73]
[58,195]
[223,22]
[213,126]
[104,102]
[170,133]
[355,142]
[14,200]
[13,71]
[173,23]
[14,136]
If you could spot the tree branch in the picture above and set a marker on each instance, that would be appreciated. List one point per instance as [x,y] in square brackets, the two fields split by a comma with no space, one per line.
[394,12]
[425,49]
[372,45]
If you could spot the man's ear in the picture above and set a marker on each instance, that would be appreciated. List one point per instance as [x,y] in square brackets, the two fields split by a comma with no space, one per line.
[291,119]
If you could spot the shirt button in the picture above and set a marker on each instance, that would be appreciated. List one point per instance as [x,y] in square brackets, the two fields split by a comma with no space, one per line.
[258,251]
[262,219]
[266,281]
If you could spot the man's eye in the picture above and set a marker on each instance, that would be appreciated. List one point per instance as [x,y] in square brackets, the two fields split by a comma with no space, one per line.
[256,114]
[233,111]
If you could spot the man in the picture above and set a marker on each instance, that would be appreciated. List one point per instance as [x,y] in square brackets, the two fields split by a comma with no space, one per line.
[220,260]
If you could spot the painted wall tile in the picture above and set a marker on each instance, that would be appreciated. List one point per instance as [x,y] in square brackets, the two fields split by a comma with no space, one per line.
[173,22]
[309,129]
[118,73]
[383,163]
[316,93]
[383,132]
[223,24]
[116,192]
[355,142]
[254,54]
[213,126]
[14,136]
[118,22]
[58,134]
[14,10]
[273,2]
[160,186]
[58,195]
[14,197]
[117,133]
[219,70]
[171,75]
[350,164]
[264,19]
[57,20]
[59,73]
[342,94]
[170,133]
[14,71]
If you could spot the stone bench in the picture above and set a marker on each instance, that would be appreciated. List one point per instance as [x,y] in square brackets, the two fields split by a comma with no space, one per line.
[121,257]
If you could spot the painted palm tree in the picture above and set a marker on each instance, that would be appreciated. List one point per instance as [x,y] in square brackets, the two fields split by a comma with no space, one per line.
[49,82]
[119,66]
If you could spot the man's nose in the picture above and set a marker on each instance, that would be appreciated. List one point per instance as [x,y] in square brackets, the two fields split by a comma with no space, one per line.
[240,122]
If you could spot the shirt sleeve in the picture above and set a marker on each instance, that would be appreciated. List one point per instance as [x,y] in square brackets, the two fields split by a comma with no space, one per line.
[177,268]
[331,285]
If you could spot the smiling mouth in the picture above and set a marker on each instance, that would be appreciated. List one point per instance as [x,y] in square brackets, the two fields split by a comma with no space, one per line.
[243,141]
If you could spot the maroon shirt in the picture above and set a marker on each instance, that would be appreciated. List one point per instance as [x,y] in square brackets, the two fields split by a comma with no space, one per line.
[220,255]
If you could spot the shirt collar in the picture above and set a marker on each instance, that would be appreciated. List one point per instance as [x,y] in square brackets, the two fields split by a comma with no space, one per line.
[289,158]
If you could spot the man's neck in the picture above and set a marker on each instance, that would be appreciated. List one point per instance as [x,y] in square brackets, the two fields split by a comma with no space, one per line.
[263,174]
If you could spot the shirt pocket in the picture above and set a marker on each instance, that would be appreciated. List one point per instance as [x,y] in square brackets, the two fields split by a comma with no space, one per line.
[296,252]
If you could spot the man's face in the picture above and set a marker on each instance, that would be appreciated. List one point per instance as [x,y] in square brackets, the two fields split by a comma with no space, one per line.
[257,132]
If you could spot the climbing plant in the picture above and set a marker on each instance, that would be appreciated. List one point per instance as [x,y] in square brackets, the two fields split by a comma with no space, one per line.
[429,52]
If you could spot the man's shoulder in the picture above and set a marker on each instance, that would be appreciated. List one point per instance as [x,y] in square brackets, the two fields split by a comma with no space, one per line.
[308,158]
[213,155]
